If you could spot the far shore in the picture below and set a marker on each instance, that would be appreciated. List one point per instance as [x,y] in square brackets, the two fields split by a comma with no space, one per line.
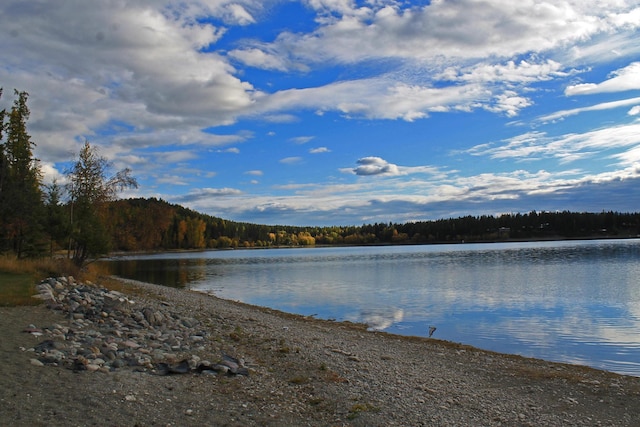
[115,254]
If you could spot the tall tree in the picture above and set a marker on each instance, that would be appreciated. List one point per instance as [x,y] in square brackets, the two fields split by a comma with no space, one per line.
[90,190]
[57,221]
[20,181]
[3,161]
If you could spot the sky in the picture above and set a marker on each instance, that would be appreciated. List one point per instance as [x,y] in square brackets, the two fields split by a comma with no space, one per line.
[338,112]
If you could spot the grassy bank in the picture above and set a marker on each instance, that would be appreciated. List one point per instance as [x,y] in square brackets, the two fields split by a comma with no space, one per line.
[18,277]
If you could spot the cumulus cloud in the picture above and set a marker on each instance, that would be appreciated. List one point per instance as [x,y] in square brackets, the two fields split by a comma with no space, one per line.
[237,14]
[143,63]
[437,47]
[351,33]
[523,71]
[258,58]
[375,166]
[509,103]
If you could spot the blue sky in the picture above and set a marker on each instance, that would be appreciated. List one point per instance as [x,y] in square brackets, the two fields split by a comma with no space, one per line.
[338,112]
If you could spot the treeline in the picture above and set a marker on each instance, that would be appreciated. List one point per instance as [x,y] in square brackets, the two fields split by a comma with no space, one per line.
[152,224]
[38,219]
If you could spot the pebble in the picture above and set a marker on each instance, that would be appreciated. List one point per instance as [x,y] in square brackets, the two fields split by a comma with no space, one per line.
[36,362]
[109,331]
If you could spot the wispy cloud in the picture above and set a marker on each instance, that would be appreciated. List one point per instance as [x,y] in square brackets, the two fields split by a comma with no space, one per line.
[291,160]
[319,150]
[206,194]
[569,147]
[624,79]
[597,107]
[301,139]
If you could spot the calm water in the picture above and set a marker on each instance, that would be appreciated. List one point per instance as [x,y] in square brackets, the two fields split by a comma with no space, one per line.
[575,302]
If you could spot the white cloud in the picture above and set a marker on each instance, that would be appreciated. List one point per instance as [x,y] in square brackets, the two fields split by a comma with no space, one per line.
[291,160]
[567,148]
[301,139]
[509,103]
[524,71]
[111,61]
[258,58]
[237,14]
[436,47]
[171,157]
[319,150]
[379,98]
[597,107]
[172,180]
[375,166]
[627,78]
[232,150]
[461,29]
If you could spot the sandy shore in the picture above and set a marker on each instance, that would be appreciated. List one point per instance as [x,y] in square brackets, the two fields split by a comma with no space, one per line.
[304,372]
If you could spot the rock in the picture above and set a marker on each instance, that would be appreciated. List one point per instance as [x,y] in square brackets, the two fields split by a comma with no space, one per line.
[106,333]
[154,317]
[36,362]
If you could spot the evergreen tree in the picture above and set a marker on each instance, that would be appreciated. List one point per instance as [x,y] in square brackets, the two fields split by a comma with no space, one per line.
[3,169]
[20,181]
[56,219]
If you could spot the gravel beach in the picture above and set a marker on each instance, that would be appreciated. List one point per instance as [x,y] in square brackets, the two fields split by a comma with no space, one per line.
[154,356]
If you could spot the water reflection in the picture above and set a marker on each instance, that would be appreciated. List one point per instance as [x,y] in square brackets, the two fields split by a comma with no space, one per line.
[381,318]
[176,273]
[575,302]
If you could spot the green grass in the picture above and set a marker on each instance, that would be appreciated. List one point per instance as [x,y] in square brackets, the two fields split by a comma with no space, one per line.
[17,289]
[18,277]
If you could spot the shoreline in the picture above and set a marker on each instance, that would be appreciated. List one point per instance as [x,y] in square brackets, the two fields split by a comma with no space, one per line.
[549,341]
[301,372]
[364,327]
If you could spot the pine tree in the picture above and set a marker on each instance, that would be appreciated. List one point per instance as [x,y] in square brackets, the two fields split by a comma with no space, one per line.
[57,221]
[20,181]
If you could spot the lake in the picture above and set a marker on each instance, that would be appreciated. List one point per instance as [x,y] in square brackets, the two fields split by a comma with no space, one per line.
[568,301]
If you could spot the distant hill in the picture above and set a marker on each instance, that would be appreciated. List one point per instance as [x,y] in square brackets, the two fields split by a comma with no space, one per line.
[153,224]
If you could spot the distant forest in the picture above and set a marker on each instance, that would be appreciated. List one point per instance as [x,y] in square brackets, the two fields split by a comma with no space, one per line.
[154,225]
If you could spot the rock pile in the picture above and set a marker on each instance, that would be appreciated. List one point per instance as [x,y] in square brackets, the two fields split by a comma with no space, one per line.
[108,330]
